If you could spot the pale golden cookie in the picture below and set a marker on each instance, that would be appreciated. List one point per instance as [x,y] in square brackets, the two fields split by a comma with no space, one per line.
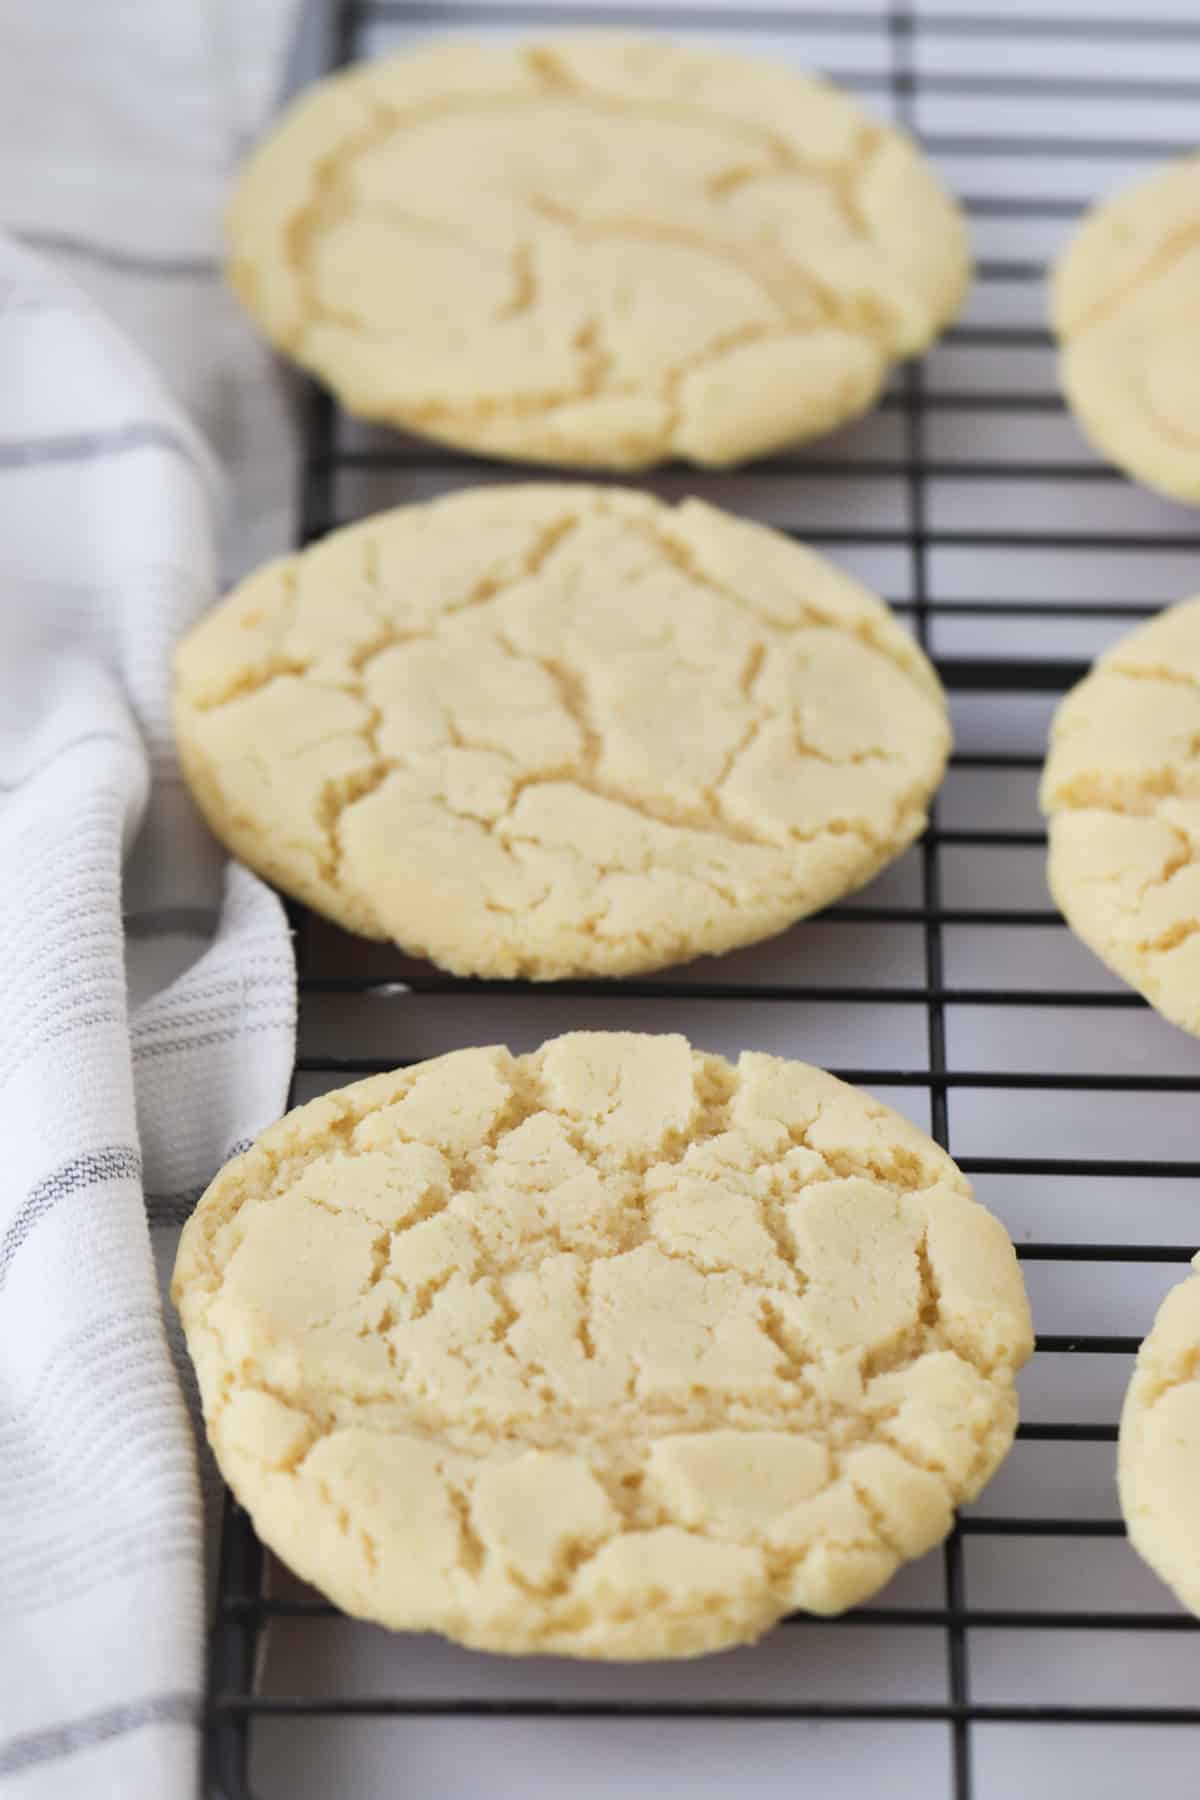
[614,1350]
[596,250]
[1159,1456]
[1125,301]
[553,731]
[1122,791]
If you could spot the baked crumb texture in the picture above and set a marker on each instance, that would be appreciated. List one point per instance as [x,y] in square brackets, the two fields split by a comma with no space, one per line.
[1124,301]
[1122,791]
[549,731]
[596,250]
[1159,1454]
[613,1350]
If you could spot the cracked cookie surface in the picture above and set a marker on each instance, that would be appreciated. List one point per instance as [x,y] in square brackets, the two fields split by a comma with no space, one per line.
[1158,1461]
[1122,792]
[595,250]
[612,1350]
[1124,300]
[550,731]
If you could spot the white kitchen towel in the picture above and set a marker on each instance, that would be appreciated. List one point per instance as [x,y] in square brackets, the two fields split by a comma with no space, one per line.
[146,985]
[120,122]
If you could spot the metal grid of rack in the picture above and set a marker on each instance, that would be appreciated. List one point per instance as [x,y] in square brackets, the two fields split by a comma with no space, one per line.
[1015,554]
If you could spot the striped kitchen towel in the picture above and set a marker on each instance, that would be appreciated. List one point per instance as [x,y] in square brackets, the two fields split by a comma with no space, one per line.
[146,985]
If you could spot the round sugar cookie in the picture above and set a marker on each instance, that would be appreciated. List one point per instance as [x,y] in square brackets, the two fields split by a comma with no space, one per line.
[594,250]
[556,731]
[612,1350]
[1122,791]
[1125,298]
[1159,1453]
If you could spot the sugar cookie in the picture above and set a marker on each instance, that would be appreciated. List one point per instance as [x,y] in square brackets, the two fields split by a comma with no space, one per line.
[613,1350]
[554,731]
[1159,1454]
[595,250]
[1122,791]
[1125,300]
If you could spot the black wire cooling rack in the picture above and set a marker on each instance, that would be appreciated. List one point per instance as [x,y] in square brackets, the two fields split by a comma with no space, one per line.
[1015,553]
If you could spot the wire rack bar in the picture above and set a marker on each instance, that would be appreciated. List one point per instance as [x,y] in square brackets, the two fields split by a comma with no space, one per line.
[954,1571]
[378,1707]
[937,1617]
[848,21]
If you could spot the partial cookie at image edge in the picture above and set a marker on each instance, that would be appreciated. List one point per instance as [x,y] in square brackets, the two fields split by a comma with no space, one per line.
[1159,1449]
[1121,792]
[1124,295]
